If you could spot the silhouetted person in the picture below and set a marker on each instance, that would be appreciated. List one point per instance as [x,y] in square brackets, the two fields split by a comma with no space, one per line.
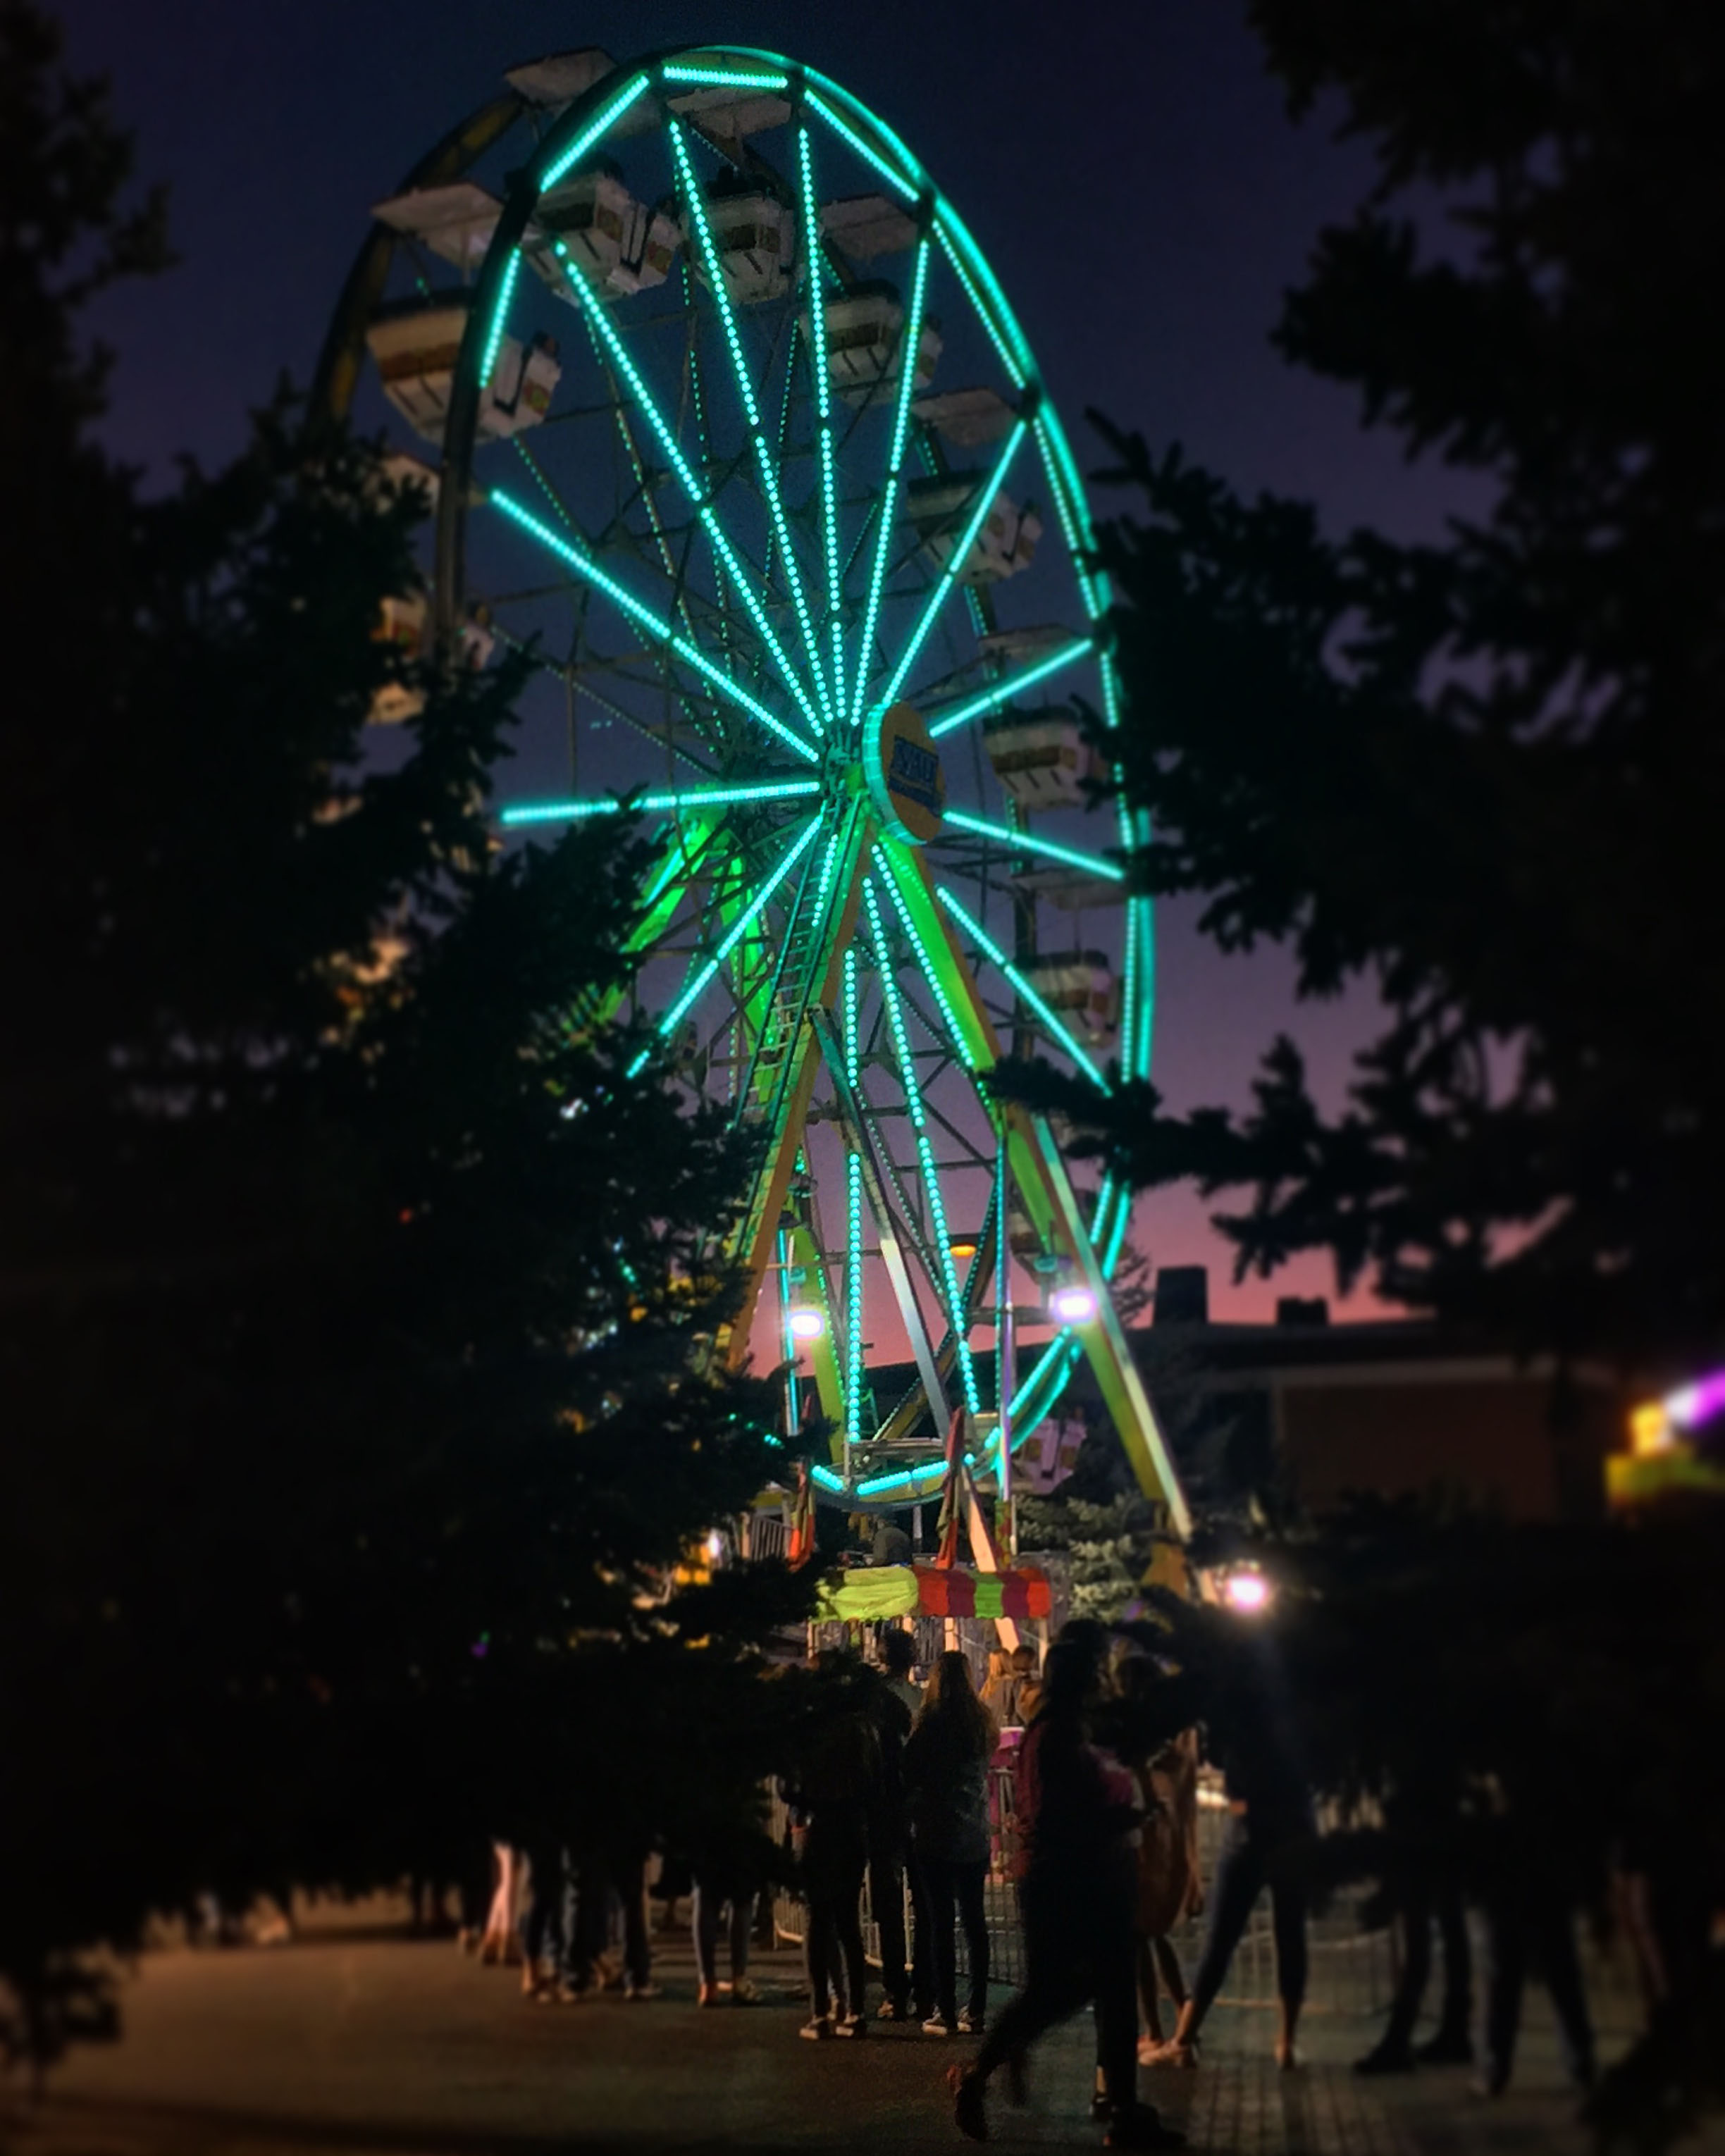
[947,1789]
[833,1790]
[1078,1814]
[1422,1821]
[892,1860]
[1268,1843]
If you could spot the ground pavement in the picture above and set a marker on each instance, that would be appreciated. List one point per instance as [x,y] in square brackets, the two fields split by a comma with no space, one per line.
[356,2041]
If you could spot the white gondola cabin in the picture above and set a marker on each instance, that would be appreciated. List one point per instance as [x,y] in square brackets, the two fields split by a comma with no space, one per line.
[417,346]
[755,239]
[1041,757]
[864,226]
[454,223]
[864,335]
[1081,986]
[594,223]
[940,505]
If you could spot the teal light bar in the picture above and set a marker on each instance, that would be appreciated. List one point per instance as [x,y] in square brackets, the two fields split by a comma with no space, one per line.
[853,1220]
[585,567]
[700,796]
[1056,1025]
[1003,692]
[893,178]
[1015,368]
[500,315]
[1025,843]
[911,341]
[599,321]
[751,403]
[986,493]
[590,134]
[724,78]
[931,971]
[820,373]
[739,928]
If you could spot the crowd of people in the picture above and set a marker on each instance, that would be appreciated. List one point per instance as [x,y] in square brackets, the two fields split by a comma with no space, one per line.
[1080,1778]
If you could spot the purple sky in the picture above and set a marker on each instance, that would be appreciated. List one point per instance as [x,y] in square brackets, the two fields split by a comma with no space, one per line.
[1130,174]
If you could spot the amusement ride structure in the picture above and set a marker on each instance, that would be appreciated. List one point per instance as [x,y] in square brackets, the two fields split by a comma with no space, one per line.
[730,426]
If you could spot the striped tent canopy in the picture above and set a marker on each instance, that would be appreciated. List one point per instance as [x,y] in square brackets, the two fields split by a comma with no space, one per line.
[871,1595]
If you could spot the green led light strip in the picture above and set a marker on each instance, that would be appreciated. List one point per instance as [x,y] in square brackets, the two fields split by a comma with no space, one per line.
[820,371]
[853,1222]
[590,134]
[586,567]
[925,1154]
[955,1031]
[1054,1024]
[706,796]
[895,179]
[752,410]
[986,493]
[739,928]
[1025,843]
[1003,692]
[599,321]
[499,314]
[724,78]
[910,344]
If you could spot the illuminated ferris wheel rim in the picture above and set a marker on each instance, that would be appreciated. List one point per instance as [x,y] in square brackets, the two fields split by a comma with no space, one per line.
[819,746]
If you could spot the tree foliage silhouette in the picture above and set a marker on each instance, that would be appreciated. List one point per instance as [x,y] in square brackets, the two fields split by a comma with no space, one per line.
[353,1297]
[1482,773]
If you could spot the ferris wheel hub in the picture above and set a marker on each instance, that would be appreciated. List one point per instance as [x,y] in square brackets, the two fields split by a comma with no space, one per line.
[904,774]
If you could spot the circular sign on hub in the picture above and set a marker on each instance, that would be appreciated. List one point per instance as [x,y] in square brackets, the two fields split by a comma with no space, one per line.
[903,766]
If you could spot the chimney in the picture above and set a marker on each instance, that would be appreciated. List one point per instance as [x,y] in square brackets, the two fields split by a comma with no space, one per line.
[1182,1295]
[1302,1311]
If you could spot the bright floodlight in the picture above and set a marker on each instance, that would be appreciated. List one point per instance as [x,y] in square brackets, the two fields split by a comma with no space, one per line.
[715,1545]
[1073,1305]
[1248,1592]
[807,1325]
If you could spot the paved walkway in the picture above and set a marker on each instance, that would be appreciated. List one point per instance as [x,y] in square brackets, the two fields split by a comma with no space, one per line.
[359,2042]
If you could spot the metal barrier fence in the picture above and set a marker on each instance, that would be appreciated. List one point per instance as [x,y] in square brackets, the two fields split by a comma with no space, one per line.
[1351,1969]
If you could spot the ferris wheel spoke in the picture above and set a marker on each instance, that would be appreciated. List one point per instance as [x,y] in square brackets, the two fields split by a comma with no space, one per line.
[946,582]
[1052,1023]
[873,1164]
[695,798]
[1012,685]
[661,630]
[605,335]
[909,343]
[1027,842]
[705,971]
[939,1234]
[821,374]
[765,465]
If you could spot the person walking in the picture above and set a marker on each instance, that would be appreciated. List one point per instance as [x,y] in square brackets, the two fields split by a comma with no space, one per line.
[1078,1814]
[1268,1843]
[832,1795]
[945,1768]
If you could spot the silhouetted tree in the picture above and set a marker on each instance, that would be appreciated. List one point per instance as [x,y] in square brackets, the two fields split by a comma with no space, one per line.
[355,1301]
[1482,773]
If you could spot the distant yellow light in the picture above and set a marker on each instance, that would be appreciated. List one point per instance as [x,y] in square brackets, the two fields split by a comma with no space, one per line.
[1649,1429]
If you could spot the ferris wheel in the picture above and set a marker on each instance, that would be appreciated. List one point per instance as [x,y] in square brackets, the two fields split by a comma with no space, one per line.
[730,426]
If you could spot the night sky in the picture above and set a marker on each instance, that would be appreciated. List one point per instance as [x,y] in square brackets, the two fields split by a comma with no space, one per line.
[1128,169]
